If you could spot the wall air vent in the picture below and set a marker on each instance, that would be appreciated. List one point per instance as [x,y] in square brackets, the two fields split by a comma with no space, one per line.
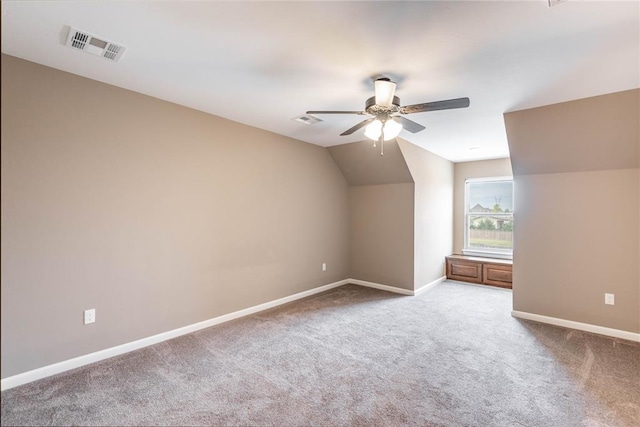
[98,46]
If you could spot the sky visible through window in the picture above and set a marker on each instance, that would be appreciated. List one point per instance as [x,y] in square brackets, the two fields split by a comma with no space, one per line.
[488,194]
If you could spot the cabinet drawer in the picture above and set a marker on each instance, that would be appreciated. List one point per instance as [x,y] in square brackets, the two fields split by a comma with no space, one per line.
[497,275]
[466,271]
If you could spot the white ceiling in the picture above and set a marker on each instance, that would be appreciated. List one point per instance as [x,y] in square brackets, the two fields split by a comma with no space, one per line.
[264,63]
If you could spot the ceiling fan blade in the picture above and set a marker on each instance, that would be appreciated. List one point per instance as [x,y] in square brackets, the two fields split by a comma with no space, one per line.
[337,112]
[409,125]
[433,106]
[358,126]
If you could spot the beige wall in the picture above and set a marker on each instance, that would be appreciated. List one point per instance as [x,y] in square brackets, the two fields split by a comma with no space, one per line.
[463,171]
[400,231]
[433,220]
[577,239]
[576,231]
[382,234]
[381,213]
[156,215]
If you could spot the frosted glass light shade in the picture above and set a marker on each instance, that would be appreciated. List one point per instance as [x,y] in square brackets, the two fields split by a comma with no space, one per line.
[384,91]
[373,129]
[391,130]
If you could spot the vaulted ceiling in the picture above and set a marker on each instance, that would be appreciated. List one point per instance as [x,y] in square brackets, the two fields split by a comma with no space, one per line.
[265,63]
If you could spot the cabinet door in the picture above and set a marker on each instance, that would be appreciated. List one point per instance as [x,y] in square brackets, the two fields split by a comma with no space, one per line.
[497,275]
[463,270]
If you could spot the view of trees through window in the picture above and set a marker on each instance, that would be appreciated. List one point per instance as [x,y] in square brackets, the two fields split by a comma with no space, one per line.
[489,215]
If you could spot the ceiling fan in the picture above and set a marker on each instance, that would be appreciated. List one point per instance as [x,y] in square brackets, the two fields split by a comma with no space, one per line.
[388,121]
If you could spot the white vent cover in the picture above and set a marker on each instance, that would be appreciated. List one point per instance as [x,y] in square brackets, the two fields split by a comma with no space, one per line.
[98,46]
[307,119]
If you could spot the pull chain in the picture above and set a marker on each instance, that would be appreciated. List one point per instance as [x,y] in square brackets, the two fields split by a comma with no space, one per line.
[384,123]
[381,138]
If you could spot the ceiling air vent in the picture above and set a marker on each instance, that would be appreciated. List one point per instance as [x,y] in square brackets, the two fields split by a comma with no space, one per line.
[307,119]
[98,46]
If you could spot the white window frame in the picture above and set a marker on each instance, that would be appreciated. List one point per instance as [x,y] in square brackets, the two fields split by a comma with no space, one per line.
[490,253]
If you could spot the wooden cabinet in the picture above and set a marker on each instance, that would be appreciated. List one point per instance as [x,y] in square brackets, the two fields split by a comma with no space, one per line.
[464,270]
[486,271]
[497,274]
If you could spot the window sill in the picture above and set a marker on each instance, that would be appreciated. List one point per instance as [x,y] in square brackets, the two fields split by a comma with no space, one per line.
[486,254]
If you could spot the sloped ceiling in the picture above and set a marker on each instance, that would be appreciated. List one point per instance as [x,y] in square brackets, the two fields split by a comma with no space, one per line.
[598,133]
[264,63]
[362,164]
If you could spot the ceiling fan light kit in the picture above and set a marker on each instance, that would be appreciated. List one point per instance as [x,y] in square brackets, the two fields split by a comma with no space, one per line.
[388,122]
[390,129]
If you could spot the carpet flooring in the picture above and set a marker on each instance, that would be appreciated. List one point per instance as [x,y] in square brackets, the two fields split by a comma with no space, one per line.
[354,356]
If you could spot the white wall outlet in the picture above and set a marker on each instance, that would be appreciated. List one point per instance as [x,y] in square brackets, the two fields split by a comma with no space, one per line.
[610,299]
[89,316]
[324,266]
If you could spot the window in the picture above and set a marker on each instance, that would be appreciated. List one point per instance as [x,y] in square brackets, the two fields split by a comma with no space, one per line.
[489,217]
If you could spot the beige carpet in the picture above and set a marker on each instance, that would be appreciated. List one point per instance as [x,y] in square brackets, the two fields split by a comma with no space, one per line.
[452,356]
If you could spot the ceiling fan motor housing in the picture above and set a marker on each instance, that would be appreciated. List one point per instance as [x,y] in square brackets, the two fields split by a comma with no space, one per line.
[372,108]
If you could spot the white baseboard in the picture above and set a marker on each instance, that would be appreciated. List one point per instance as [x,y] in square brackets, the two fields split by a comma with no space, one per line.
[601,330]
[397,290]
[429,285]
[381,287]
[77,362]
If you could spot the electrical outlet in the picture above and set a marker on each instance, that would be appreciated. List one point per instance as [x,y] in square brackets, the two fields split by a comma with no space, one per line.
[89,316]
[324,266]
[609,299]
